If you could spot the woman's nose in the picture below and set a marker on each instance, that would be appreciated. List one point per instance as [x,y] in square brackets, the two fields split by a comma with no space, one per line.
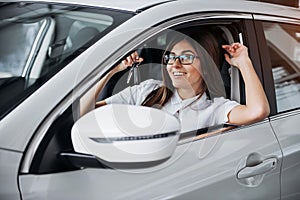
[177,63]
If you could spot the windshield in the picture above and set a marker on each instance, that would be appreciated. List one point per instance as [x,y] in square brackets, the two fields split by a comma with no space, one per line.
[37,40]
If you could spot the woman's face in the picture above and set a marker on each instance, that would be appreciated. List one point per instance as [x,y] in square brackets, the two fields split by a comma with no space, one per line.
[188,76]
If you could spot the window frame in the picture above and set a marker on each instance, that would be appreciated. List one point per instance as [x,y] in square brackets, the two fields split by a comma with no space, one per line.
[268,82]
[91,79]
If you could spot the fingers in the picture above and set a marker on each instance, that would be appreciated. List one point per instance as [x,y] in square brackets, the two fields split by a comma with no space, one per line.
[236,45]
[227,58]
[235,49]
[131,59]
[136,58]
[232,48]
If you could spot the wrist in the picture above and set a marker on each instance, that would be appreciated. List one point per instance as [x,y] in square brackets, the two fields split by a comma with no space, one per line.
[244,63]
[113,71]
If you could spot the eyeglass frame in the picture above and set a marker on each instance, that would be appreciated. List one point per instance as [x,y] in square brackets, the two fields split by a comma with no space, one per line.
[179,57]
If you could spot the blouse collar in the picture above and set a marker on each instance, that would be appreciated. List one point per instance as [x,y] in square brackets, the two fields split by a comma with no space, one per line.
[176,99]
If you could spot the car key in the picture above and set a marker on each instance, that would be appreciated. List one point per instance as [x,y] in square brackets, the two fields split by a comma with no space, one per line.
[135,72]
[130,75]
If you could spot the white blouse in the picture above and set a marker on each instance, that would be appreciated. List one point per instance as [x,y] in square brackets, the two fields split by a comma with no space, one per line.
[193,113]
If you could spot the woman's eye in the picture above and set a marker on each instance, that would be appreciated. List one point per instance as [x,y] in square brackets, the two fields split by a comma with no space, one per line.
[184,57]
[171,57]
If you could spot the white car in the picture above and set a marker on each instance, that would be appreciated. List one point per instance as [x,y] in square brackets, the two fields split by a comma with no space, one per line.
[53,52]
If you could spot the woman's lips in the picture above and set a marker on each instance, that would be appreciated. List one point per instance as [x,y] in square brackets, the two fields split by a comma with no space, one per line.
[178,74]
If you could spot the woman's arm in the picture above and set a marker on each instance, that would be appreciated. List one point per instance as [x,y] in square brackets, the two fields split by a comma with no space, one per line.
[89,101]
[257,106]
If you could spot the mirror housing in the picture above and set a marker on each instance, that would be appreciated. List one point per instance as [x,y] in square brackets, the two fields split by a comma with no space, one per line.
[126,134]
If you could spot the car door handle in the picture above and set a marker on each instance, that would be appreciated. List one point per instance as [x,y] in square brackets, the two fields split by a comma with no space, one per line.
[261,168]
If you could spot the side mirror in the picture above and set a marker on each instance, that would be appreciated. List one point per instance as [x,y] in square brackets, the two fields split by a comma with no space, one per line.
[126,134]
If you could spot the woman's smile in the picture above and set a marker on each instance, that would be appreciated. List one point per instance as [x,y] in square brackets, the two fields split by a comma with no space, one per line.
[185,76]
[178,74]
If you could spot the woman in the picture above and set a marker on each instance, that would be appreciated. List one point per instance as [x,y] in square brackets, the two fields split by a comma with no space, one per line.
[190,89]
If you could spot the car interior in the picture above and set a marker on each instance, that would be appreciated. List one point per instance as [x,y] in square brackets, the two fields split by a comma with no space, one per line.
[56,154]
[52,40]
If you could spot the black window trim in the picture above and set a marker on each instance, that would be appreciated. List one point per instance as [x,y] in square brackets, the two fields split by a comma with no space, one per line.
[266,61]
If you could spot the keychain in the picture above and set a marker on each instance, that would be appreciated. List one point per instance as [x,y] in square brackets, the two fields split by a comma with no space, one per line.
[135,71]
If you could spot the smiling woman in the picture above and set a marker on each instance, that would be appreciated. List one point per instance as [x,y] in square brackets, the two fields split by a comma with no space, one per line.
[192,88]
[40,160]
[185,73]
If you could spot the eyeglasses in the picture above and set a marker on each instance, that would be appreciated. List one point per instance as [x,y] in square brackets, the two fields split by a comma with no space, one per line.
[184,59]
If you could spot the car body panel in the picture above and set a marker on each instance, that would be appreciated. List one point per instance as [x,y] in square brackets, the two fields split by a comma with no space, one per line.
[9,189]
[131,6]
[289,138]
[193,177]
[196,169]
[198,6]
[286,118]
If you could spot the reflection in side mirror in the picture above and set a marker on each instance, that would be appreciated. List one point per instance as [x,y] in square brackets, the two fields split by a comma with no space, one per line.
[126,133]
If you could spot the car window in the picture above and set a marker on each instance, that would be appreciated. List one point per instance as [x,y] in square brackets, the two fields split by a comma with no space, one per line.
[284,49]
[37,40]
[150,69]
[17,50]
[135,84]
[152,52]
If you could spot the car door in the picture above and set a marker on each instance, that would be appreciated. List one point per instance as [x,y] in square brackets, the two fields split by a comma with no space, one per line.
[219,163]
[281,49]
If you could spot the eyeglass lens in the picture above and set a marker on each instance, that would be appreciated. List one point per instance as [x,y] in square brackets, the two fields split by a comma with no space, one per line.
[184,59]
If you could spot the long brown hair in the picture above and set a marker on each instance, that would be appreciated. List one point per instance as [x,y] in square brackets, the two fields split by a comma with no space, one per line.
[206,47]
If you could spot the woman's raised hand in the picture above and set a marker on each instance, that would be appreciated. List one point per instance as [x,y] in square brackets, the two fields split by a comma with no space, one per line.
[238,54]
[257,106]
[129,61]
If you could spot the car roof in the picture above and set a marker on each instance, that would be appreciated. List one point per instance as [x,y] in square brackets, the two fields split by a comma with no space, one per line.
[247,6]
[128,5]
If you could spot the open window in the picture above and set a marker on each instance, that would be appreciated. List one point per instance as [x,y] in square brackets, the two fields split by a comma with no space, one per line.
[56,152]
[152,51]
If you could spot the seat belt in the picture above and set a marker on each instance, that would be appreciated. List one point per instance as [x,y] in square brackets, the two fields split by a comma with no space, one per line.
[233,71]
[235,82]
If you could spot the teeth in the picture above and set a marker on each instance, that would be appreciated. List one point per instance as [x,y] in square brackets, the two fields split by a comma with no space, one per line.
[178,73]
